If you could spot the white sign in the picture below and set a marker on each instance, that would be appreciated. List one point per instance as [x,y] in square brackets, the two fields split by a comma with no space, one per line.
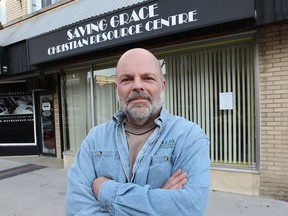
[226,100]
[46,106]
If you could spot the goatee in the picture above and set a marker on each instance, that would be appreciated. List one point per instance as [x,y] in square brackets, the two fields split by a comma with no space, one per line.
[141,112]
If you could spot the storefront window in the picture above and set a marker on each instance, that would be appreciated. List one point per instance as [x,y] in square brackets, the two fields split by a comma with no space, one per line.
[88,100]
[105,103]
[212,86]
[215,88]
[76,99]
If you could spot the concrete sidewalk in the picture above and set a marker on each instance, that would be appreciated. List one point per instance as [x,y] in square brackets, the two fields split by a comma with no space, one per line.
[36,193]
[40,189]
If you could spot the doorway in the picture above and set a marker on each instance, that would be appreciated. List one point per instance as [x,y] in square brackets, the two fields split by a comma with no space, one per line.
[45,123]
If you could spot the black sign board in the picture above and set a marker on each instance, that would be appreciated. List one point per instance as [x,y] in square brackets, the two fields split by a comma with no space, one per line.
[144,21]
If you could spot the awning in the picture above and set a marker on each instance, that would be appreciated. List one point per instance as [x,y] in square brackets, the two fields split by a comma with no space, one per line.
[51,20]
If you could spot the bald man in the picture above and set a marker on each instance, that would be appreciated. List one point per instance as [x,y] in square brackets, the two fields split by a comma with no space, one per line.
[145,161]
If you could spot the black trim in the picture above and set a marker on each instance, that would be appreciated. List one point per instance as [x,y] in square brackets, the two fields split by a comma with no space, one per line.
[18,150]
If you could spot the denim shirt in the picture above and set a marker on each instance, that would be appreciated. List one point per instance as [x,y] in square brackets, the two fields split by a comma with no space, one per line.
[175,143]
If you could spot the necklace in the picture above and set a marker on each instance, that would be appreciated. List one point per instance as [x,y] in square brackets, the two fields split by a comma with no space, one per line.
[138,134]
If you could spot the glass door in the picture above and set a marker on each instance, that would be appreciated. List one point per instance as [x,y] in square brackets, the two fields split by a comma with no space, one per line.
[45,126]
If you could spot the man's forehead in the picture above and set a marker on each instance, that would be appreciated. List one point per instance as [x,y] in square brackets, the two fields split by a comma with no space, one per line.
[137,73]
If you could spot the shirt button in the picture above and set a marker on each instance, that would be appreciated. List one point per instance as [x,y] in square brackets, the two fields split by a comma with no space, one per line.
[99,153]
[166,158]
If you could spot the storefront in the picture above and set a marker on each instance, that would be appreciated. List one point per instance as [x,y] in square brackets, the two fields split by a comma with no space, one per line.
[211,83]
[208,54]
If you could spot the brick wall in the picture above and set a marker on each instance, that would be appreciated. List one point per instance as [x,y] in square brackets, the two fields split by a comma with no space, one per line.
[16,9]
[273,74]
[57,117]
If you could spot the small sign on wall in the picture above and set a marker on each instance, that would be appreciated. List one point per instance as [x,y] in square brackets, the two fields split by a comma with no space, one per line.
[46,106]
[226,100]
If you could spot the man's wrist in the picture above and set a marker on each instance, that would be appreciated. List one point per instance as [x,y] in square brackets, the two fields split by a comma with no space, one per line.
[97,184]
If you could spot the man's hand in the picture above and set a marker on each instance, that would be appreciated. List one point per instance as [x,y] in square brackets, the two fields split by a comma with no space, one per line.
[97,183]
[176,181]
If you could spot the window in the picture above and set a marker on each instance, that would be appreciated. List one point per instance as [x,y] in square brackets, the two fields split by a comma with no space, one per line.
[76,101]
[194,82]
[38,4]
[104,97]
[88,99]
[3,11]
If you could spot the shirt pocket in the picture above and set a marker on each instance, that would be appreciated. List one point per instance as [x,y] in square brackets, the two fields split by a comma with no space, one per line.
[160,169]
[107,164]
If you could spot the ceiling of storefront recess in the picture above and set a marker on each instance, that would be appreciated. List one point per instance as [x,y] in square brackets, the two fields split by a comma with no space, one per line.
[56,19]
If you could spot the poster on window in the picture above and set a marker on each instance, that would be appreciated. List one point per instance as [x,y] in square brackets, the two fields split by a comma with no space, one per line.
[16,115]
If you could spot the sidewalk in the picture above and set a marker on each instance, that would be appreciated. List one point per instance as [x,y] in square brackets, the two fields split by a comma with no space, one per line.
[227,204]
[34,193]
[37,187]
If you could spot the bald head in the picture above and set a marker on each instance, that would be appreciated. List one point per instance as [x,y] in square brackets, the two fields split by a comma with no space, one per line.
[139,58]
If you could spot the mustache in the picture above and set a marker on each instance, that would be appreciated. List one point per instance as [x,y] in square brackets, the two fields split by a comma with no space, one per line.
[138,95]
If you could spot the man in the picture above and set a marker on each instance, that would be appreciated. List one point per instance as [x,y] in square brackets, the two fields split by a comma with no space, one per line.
[146,161]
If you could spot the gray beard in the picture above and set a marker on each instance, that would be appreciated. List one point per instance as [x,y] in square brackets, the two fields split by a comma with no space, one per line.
[147,111]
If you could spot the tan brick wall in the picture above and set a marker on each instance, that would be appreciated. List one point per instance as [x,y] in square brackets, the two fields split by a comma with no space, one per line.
[57,118]
[273,74]
[16,9]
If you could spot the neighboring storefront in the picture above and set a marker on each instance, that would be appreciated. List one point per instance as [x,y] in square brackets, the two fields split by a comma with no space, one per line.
[214,60]
[16,116]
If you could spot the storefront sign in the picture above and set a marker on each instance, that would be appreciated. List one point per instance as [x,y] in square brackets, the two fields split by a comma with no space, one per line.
[153,19]
[16,115]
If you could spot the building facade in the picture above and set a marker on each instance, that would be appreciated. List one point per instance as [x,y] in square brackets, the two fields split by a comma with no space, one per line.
[225,69]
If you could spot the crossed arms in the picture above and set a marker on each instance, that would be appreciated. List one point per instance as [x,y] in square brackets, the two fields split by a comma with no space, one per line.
[186,192]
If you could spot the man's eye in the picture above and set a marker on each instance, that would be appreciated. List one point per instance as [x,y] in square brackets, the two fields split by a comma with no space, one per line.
[148,78]
[125,80]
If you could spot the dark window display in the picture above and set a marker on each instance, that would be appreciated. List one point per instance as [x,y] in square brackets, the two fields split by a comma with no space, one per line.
[16,115]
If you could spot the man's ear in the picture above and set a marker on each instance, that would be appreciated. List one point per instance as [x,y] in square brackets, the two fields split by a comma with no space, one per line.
[164,85]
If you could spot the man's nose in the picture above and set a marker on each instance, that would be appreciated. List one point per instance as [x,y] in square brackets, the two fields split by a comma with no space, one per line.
[138,84]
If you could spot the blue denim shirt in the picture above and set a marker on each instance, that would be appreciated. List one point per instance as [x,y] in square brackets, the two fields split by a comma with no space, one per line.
[176,143]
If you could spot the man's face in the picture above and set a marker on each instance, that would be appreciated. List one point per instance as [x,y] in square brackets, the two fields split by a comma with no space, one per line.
[140,89]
